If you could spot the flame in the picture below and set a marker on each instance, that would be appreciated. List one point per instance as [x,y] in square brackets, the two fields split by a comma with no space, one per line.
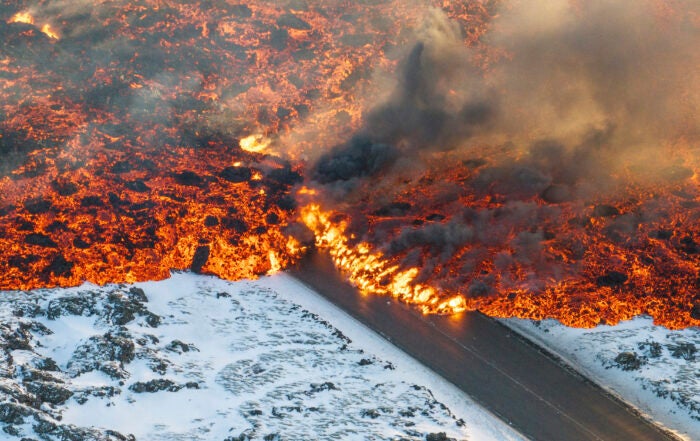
[120,165]
[375,273]
[255,143]
[306,191]
[22,17]
[370,271]
[46,29]
[28,18]
[275,265]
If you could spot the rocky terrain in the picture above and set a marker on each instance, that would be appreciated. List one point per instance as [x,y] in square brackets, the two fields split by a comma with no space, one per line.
[197,358]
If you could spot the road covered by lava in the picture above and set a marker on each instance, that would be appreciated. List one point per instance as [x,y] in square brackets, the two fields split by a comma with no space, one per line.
[531,159]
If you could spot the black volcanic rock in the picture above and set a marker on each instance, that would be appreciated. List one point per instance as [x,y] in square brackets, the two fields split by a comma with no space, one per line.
[662,234]
[137,294]
[605,211]
[57,226]
[629,361]
[59,266]
[286,203]
[612,279]
[73,305]
[695,311]
[211,221]
[201,255]
[80,243]
[37,206]
[49,392]
[65,188]
[278,39]
[393,209]
[293,22]
[122,167]
[107,353]
[23,262]
[25,225]
[189,178]
[41,240]
[239,10]
[12,413]
[122,310]
[138,186]
[689,245]
[435,217]
[236,174]
[91,201]
[234,223]
[179,347]
[440,436]
[284,177]
[155,385]
[685,351]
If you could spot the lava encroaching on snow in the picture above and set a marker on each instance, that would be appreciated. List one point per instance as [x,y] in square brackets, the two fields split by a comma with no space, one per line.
[531,159]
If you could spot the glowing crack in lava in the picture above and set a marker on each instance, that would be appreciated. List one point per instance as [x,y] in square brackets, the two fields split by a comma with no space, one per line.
[532,159]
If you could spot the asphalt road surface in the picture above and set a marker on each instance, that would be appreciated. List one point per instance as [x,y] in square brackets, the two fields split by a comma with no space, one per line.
[513,378]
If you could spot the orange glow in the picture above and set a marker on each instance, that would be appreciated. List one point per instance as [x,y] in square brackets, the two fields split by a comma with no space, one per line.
[22,17]
[255,143]
[370,271]
[184,140]
[376,274]
[27,18]
[46,29]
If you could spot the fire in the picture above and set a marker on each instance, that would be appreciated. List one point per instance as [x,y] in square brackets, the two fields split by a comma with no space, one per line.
[140,138]
[275,265]
[375,273]
[46,29]
[255,143]
[28,18]
[22,17]
[370,271]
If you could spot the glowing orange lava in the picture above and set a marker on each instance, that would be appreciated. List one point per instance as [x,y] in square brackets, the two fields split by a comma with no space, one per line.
[138,138]
[370,271]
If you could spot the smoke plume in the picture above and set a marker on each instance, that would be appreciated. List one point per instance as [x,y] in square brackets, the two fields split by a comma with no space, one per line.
[587,97]
[553,123]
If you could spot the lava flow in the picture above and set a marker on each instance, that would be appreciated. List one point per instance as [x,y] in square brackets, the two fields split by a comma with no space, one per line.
[136,136]
[531,159]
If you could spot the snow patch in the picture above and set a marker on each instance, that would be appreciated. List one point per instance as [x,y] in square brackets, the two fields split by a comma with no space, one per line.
[655,369]
[198,358]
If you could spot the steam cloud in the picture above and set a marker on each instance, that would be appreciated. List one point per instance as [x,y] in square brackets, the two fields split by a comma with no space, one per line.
[575,102]
[578,94]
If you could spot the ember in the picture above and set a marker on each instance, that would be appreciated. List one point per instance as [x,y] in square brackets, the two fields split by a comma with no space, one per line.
[531,159]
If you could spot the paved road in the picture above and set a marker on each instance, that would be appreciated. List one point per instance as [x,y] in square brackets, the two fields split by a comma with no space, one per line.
[513,378]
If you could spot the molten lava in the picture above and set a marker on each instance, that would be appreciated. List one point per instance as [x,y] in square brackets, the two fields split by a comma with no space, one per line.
[142,137]
[22,17]
[255,143]
[27,18]
[371,271]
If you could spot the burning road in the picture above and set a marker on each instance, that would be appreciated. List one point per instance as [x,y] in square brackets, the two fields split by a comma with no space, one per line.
[530,159]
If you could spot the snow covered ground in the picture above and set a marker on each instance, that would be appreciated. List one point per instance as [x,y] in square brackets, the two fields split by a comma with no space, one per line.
[198,358]
[654,369]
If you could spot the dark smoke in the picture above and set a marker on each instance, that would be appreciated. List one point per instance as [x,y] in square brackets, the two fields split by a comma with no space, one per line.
[574,96]
[577,103]
[358,158]
[418,116]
